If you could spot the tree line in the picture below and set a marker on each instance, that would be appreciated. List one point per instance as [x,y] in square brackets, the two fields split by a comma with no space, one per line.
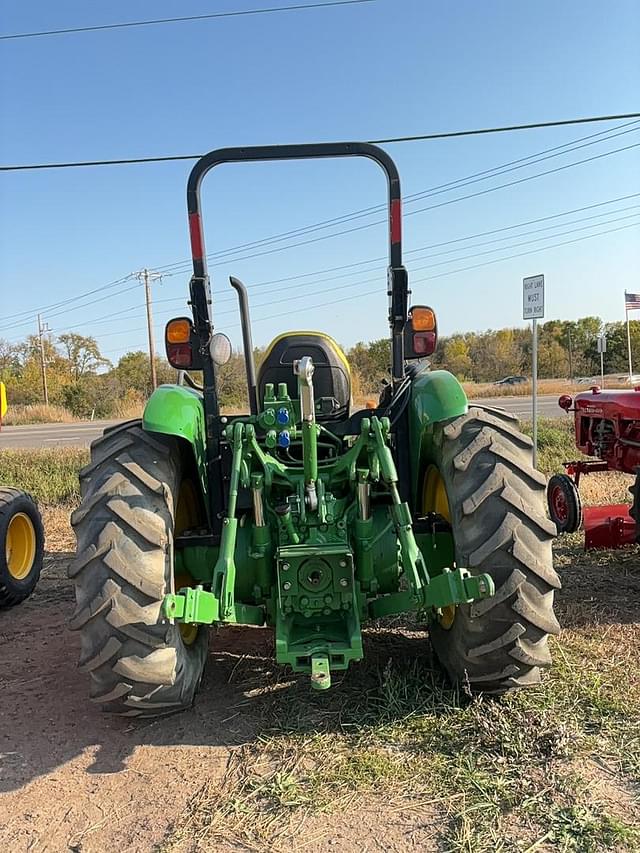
[81,379]
[566,349]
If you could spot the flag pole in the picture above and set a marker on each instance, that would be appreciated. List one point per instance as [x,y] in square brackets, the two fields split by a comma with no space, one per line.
[626,311]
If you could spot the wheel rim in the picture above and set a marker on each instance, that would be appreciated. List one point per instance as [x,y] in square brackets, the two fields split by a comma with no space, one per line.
[20,546]
[559,504]
[434,499]
[434,494]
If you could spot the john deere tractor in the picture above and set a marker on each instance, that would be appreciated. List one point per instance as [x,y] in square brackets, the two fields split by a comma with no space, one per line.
[303,515]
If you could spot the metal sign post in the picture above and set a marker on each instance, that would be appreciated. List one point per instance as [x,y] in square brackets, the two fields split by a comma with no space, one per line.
[602,348]
[533,309]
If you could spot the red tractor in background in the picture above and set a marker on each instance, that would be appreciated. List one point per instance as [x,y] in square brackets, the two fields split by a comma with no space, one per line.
[607,426]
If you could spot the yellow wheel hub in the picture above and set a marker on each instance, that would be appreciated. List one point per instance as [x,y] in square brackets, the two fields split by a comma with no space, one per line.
[434,499]
[189,633]
[434,494]
[20,546]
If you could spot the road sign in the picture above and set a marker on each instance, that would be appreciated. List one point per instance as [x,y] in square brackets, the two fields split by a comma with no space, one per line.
[533,297]
[533,309]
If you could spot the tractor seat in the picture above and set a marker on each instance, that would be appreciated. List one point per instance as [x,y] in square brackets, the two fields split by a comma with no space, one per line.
[331,378]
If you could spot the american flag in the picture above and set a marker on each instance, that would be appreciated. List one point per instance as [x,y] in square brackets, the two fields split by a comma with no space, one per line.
[631,301]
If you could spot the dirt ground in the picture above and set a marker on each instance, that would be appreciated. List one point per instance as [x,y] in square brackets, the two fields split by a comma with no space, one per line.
[72,779]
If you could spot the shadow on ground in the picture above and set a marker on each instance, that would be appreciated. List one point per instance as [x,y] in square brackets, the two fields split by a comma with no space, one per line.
[46,719]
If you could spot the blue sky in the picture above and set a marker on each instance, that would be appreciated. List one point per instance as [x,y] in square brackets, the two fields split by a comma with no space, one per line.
[358,72]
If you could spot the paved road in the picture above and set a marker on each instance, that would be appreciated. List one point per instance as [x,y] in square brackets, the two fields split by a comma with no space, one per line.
[52,435]
[82,434]
[521,406]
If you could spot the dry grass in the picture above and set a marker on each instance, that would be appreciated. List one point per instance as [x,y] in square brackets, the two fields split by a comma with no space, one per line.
[127,410]
[474,390]
[57,525]
[38,414]
[554,387]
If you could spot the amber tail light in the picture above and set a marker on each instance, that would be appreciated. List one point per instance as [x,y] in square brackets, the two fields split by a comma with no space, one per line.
[179,342]
[421,332]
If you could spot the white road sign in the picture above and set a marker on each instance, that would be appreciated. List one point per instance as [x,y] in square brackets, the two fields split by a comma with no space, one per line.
[602,343]
[533,297]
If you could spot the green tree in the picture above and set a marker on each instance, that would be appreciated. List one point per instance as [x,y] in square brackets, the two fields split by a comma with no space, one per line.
[456,357]
[616,359]
[83,354]
[370,365]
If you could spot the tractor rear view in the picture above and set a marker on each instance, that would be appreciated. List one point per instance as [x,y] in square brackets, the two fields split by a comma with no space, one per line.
[304,515]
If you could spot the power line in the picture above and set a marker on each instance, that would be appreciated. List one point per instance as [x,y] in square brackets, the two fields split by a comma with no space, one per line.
[529,252]
[252,288]
[238,14]
[416,281]
[340,268]
[421,137]
[67,301]
[410,198]
[357,214]
[450,242]
[75,308]
[344,218]
[525,242]
[413,280]
[424,209]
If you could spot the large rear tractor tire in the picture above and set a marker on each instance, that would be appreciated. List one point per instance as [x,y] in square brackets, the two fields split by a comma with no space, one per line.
[485,483]
[139,664]
[21,546]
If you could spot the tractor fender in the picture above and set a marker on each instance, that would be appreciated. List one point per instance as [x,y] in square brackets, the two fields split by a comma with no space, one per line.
[177,410]
[436,395]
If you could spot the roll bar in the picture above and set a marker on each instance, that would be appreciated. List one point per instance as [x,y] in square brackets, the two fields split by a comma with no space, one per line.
[397,288]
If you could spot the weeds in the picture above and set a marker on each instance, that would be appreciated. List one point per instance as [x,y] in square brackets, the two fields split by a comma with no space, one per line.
[49,474]
[500,773]
[37,414]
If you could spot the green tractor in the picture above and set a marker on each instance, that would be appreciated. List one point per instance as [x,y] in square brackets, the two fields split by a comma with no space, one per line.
[303,515]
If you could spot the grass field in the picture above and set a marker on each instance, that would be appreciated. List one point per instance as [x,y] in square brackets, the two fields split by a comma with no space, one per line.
[556,767]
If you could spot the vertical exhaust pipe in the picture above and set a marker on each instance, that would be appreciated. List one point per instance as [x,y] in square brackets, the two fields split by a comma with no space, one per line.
[247,343]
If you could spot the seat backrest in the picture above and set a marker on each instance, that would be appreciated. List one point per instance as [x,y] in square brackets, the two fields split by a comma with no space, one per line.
[331,378]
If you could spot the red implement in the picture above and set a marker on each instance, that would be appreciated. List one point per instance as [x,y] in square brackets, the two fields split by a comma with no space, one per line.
[608,527]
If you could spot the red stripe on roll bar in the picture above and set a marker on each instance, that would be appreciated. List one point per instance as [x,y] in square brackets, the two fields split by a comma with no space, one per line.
[195,232]
[395,223]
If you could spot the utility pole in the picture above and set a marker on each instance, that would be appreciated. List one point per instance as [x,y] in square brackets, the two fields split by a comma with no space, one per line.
[147,277]
[570,356]
[42,328]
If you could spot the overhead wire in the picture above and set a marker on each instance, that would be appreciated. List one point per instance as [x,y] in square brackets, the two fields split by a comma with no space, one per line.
[341,276]
[413,280]
[387,140]
[177,267]
[154,21]
[485,174]
[436,206]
